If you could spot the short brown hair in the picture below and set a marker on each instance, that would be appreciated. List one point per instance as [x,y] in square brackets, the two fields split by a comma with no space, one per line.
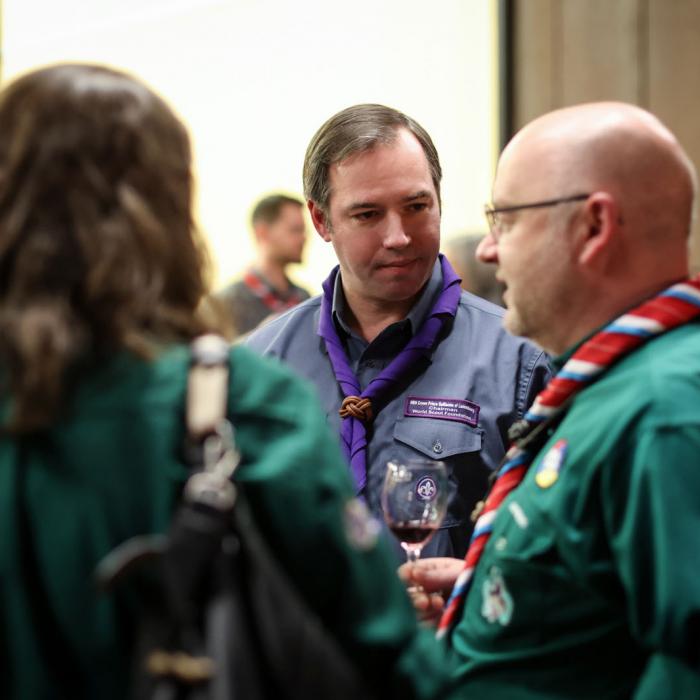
[98,249]
[268,209]
[356,129]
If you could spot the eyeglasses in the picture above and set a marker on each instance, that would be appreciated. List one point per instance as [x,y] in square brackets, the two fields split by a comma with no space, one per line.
[493,212]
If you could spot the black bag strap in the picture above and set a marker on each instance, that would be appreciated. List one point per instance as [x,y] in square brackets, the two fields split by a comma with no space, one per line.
[202,523]
[207,386]
[233,625]
[210,447]
[172,641]
[312,662]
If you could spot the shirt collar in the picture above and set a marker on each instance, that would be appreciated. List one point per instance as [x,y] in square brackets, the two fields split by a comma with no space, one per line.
[415,316]
[274,290]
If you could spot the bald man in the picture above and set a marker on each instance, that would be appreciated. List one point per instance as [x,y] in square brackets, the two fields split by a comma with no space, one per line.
[583,576]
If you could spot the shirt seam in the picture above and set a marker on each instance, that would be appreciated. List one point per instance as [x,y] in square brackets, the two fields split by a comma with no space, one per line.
[525,385]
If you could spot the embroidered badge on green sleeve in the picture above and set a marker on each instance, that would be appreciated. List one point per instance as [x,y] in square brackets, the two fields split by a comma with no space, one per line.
[497,603]
[549,468]
[361,529]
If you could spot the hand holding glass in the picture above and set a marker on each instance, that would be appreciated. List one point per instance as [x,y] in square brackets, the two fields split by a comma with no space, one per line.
[414,500]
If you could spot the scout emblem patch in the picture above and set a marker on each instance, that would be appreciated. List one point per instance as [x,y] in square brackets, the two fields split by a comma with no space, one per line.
[361,529]
[497,603]
[426,489]
[548,471]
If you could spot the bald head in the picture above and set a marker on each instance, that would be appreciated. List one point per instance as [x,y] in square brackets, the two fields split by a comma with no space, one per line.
[594,206]
[617,148]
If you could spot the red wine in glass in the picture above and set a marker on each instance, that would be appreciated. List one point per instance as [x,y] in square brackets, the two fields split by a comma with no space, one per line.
[414,501]
[411,533]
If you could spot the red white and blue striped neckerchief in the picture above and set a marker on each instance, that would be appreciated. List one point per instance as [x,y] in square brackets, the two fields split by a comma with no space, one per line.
[269,296]
[671,308]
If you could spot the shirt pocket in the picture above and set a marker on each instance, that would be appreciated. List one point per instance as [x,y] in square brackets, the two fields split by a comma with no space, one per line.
[521,577]
[456,444]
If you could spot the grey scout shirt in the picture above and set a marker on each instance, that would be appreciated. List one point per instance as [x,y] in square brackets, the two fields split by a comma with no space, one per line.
[488,376]
[246,309]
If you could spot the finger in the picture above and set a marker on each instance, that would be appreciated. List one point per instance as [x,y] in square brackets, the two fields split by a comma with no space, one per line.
[406,572]
[432,614]
[437,603]
[419,598]
[440,578]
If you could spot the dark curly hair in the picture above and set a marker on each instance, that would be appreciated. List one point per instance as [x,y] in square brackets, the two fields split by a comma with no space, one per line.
[98,248]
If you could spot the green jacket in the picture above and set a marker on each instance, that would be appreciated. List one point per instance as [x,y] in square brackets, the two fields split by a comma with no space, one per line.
[110,469]
[589,586]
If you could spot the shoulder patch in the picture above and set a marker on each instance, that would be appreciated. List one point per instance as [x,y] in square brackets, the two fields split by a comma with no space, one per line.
[496,601]
[549,468]
[361,529]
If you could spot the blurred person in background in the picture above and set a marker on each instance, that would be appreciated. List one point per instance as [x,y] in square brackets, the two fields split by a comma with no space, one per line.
[265,290]
[477,277]
[102,271]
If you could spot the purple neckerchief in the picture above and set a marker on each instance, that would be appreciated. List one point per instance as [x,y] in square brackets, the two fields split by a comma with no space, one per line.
[353,432]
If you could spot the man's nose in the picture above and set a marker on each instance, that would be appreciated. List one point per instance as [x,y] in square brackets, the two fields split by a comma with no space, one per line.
[487,250]
[395,235]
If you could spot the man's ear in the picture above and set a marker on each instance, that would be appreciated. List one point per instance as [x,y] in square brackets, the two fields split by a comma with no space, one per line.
[599,228]
[260,231]
[318,218]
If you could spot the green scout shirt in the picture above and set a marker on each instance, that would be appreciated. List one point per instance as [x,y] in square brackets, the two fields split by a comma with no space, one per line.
[109,469]
[589,586]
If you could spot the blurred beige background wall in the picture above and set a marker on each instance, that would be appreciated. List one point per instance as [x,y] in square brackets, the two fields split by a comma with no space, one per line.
[254,79]
[641,51]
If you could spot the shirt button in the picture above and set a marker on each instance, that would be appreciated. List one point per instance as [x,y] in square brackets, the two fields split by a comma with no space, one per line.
[437,447]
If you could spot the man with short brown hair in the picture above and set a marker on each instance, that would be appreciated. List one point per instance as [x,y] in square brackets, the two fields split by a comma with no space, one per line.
[265,290]
[406,364]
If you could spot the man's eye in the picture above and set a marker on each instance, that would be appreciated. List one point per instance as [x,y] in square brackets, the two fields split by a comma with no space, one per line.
[364,215]
[504,222]
[418,206]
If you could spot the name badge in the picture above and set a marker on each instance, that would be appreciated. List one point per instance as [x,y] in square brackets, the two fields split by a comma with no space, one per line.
[460,410]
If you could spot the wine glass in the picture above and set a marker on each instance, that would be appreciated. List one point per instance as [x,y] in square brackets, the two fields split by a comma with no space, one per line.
[414,501]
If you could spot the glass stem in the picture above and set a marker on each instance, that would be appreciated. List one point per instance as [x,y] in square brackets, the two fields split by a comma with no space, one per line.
[413,554]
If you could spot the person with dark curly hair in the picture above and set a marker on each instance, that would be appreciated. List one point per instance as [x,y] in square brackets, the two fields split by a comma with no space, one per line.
[102,275]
